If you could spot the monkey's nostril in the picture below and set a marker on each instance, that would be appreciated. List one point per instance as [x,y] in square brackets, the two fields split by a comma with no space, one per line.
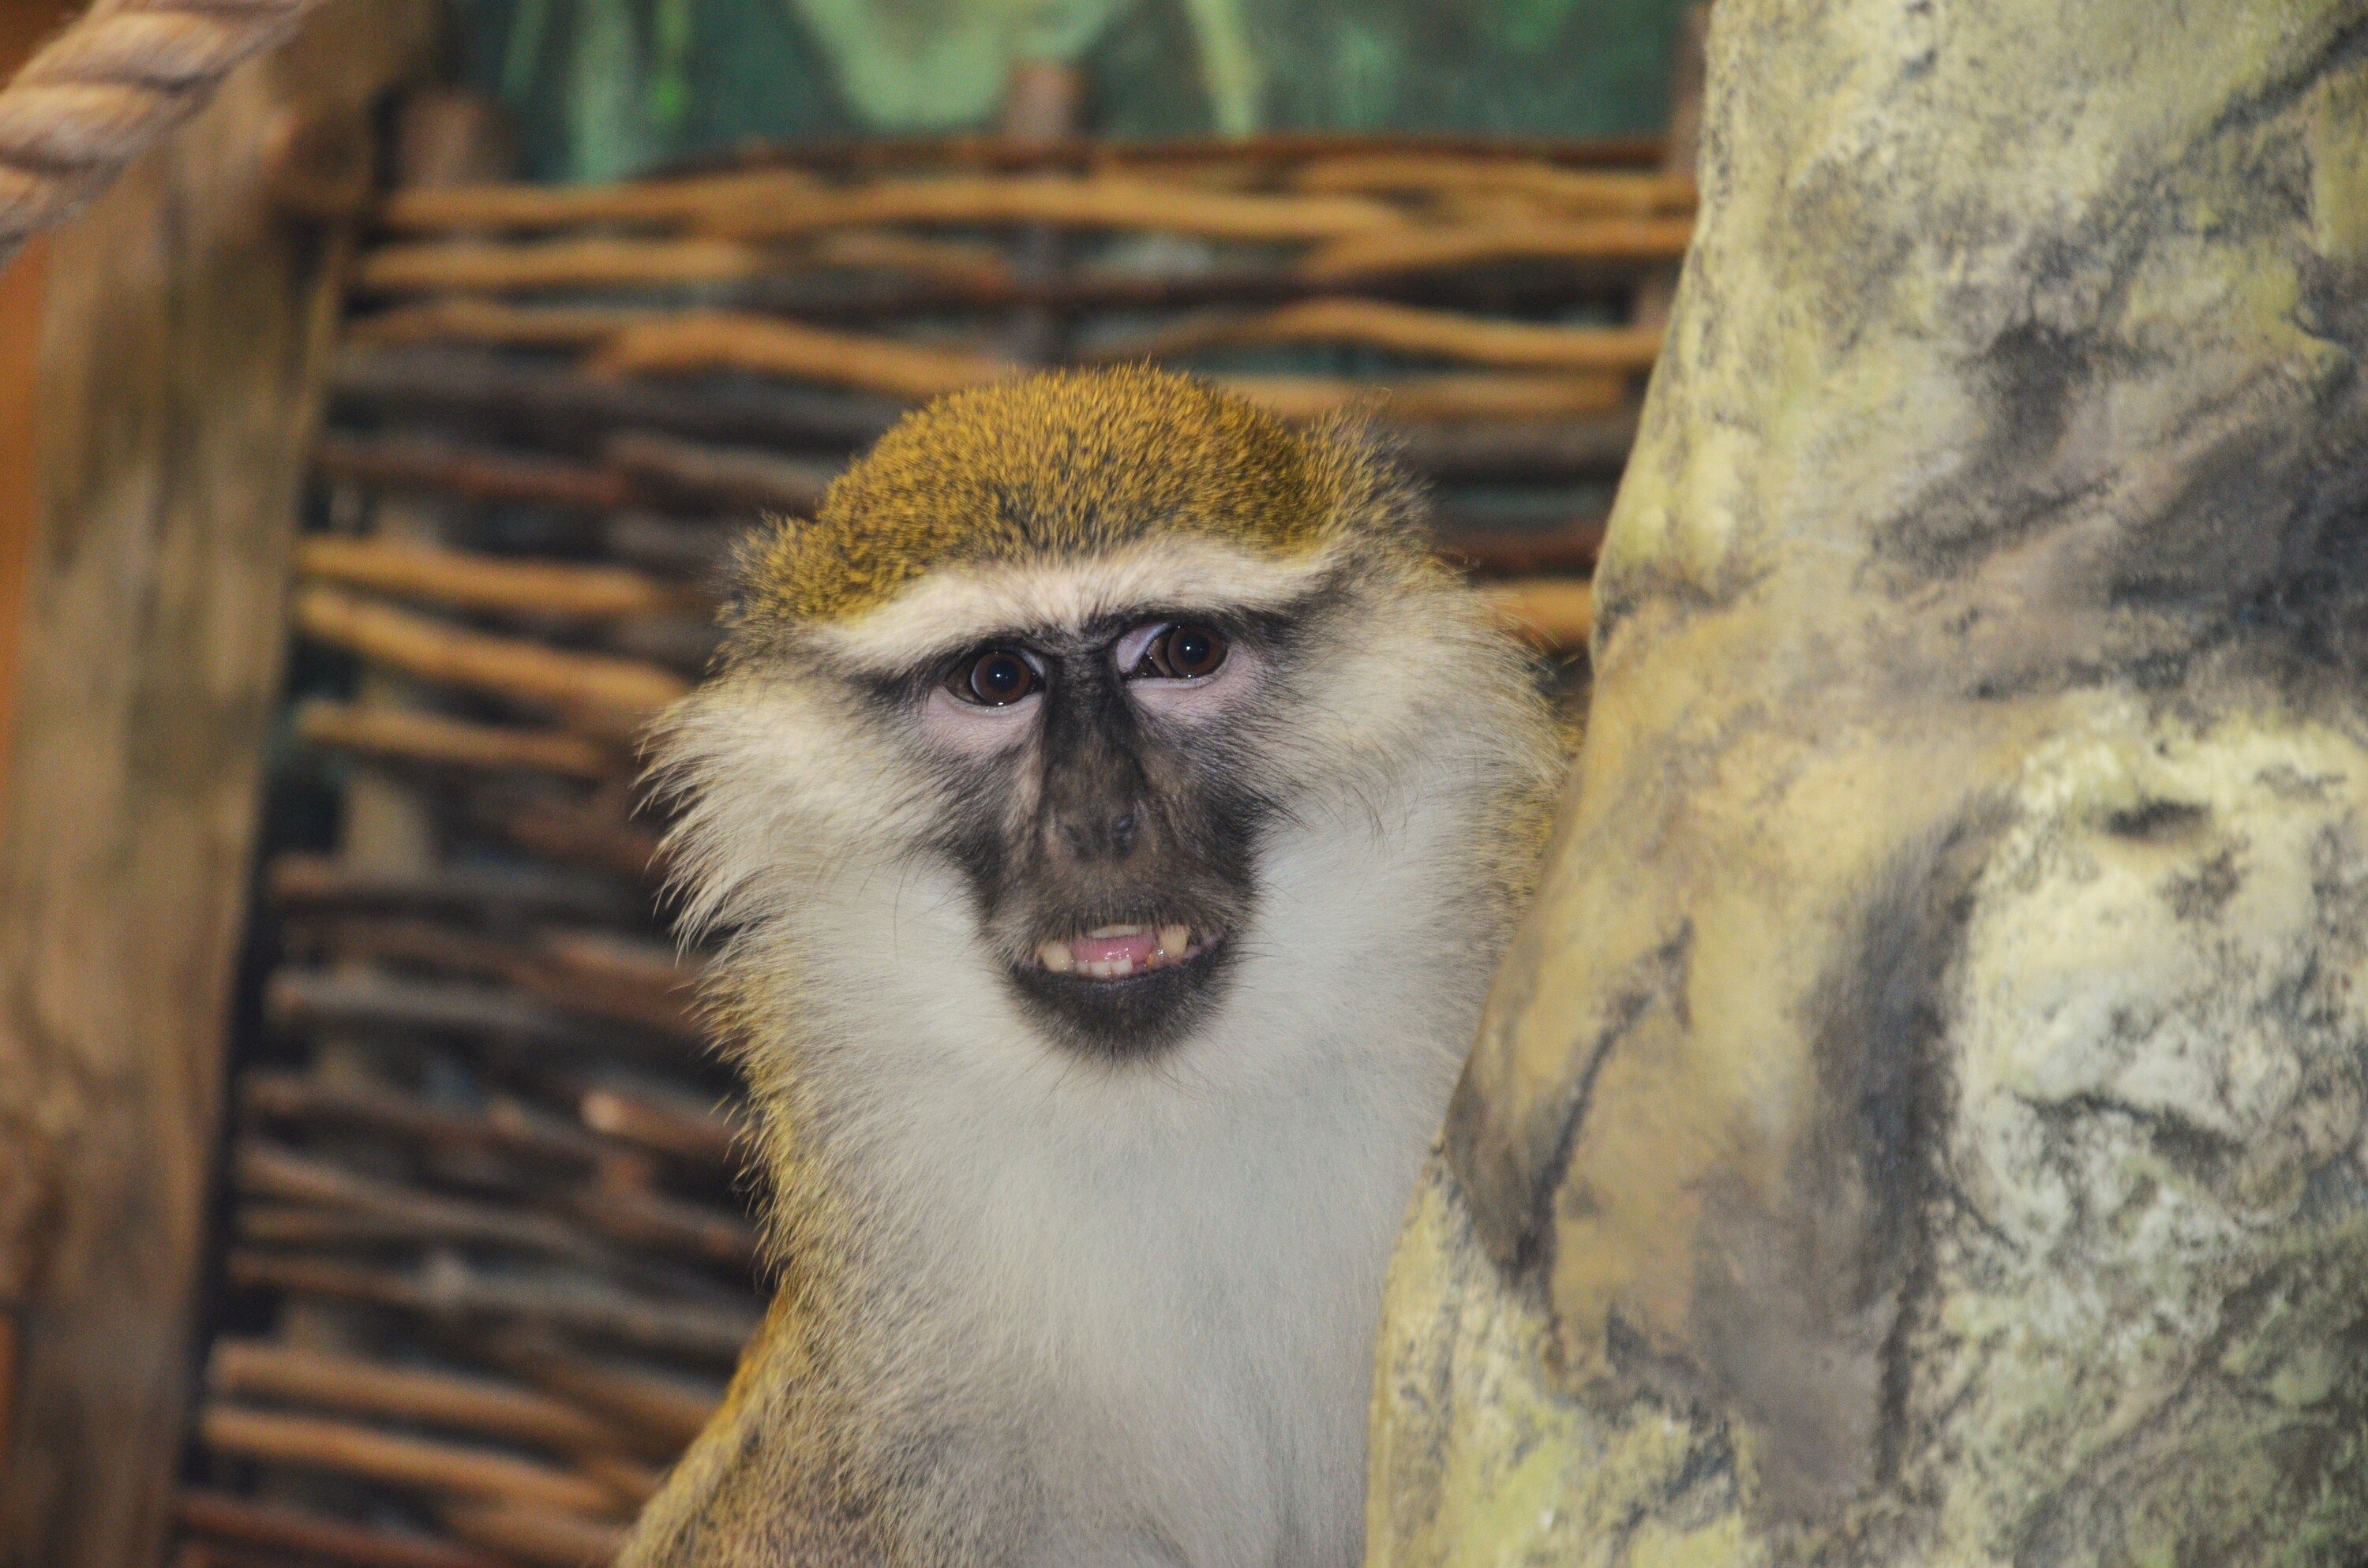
[1122,831]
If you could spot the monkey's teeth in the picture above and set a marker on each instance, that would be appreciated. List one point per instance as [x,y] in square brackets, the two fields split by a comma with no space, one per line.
[1113,952]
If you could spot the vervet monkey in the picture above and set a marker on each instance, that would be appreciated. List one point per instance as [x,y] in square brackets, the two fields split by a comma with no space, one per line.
[1114,813]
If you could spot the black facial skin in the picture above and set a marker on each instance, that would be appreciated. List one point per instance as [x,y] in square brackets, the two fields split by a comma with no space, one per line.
[1110,811]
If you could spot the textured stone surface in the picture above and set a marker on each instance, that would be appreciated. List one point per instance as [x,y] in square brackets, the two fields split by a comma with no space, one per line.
[1920,1122]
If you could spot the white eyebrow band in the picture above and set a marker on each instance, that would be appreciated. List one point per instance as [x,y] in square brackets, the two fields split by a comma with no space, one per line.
[955,609]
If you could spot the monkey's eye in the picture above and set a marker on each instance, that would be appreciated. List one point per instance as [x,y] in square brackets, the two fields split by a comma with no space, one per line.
[1182,652]
[997,677]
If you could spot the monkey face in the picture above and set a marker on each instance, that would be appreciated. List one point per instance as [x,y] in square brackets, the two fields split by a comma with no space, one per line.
[1099,807]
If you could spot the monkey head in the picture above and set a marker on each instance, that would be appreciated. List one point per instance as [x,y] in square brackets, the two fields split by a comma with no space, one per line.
[1086,648]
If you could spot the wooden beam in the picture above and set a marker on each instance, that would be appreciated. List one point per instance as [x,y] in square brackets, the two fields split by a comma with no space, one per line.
[24,24]
[182,339]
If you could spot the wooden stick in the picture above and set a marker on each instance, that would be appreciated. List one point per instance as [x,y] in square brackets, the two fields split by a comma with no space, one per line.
[572,833]
[1097,202]
[669,1413]
[544,1537]
[640,1218]
[1396,252]
[640,983]
[738,479]
[467,267]
[501,392]
[267,1170]
[493,583]
[349,1385]
[1437,399]
[666,1124]
[1570,550]
[1100,201]
[1406,330]
[455,1291]
[345,1449]
[301,882]
[298,1000]
[215,1515]
[699,341]
[482,473]
[972,266]
[410,735]
[1555,614]
[488,321]
[1571,190]
[624,692]
[873,155]
[1508,450]
[507,1129]
[544,206]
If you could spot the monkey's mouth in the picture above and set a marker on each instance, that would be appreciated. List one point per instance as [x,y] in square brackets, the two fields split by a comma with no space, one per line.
[1117,952]
[1123,991]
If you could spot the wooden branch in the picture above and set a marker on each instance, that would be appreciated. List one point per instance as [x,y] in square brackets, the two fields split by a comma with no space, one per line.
[617,694]
[1396,252]
[1436,398]
[572,833]
[1512,450]
[1518,553]
[410,735]
[312,1102]
[1556,614]
[345,1449]
[478,473]
[699,548]
[1097,202]
[300,882]
[546,207]
[1570,190]
[668,1413]
[454,1292]
[488,321]
[563,407]
[869,155]
[975,266]
[349,1385]
[736,479]
[664,1124]
[701,341]
[1406,330]
[315,1537]
[635,1216]
[544,1537]
[468,266]
[262,1169]
[493,583]
[298,1000]
[638,981]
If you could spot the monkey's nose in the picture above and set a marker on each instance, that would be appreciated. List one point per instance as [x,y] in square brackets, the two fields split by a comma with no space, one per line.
[1099,836]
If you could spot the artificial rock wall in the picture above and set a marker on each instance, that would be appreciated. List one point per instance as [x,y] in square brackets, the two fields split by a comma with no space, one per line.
[1921,1122]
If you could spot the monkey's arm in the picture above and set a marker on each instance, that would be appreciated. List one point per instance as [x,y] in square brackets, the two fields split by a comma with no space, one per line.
[763,1486]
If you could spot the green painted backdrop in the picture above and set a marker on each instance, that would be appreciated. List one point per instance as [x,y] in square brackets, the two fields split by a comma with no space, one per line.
[606,88]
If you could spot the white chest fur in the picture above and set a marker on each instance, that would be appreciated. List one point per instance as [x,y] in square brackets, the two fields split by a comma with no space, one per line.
[1150,1290]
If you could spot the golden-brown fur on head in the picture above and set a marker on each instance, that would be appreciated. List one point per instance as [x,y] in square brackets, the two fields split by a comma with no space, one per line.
[1064,463]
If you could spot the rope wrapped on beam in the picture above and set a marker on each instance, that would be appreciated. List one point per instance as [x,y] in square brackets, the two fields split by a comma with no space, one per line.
[106,88]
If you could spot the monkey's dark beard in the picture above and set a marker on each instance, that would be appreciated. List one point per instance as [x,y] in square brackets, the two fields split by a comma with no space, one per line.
[1132,1016]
